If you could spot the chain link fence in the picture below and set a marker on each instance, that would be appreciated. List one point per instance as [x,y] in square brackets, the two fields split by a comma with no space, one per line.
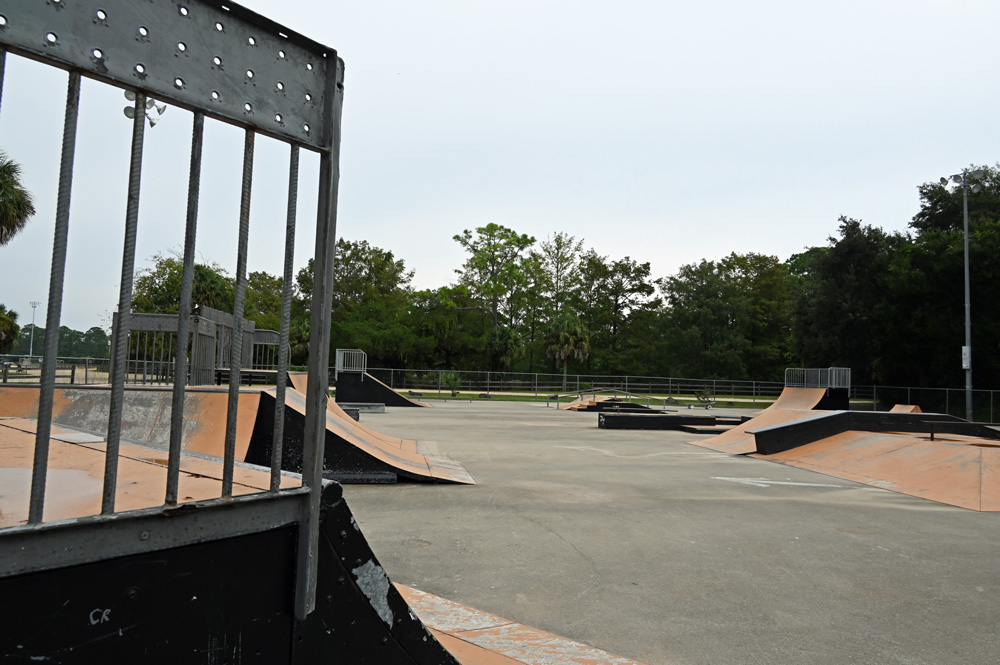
[540,385]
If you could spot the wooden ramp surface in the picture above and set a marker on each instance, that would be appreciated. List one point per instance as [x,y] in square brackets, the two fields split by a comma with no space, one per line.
[76,474]
[793,404]
[401,454]
[957,470]
[146,413]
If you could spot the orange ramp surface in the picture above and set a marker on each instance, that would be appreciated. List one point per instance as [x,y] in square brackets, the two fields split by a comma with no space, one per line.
[76,474]
[957,470]
[145,415]
[146,419]
[793,404]
[399,454]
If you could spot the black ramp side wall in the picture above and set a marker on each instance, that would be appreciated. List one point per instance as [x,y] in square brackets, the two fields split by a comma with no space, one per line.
[342,461]
[224,597]
[221,601]
[358,388]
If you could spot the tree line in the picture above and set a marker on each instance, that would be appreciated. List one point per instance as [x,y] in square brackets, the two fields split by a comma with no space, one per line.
[888,305]
[18,340]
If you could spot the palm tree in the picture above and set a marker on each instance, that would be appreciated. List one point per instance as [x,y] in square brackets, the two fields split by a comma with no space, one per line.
[16,205]
[8,329]
[567,338]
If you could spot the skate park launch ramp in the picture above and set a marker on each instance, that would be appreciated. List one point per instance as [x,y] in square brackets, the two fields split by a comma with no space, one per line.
[931,456]
[793,404]
[363,388]
[353,453]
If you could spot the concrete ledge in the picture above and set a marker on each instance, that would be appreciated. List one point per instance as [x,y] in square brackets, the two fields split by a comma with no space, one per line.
[363,407]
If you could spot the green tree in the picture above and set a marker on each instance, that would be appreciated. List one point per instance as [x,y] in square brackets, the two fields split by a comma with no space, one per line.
[16,204]
[263,300]
[493,270]
[927,288]
[560,258]
[95,343]
[851,301]
[495,274]
[370,302]
[536,307]
[157,289]
[22,345]
[450,330]
[8,329]
[567,339]
[611,298]
[705,320]
[767,287]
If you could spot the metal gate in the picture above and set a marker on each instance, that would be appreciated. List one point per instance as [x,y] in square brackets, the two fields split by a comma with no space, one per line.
[275,82]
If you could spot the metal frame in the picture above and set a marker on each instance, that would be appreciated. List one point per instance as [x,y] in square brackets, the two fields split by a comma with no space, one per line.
[221,61]
[350,360]
[827,377]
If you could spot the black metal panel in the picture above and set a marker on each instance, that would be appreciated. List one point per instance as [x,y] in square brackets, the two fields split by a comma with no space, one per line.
[835,399]
[360,618]
[342,461]
[235,64]
[358,388]
[660,421]
[221,601]
[778,438]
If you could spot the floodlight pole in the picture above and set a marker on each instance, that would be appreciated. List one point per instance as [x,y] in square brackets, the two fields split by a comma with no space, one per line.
[967,351]
[31,339]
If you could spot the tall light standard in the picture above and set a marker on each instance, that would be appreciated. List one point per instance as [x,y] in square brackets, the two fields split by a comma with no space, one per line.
[962,179]
[31,340]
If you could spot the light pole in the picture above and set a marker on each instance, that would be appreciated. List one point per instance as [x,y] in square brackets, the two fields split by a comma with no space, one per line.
[962,179]
[31,339]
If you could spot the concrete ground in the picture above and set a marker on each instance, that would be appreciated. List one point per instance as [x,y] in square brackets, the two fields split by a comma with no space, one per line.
[642,545]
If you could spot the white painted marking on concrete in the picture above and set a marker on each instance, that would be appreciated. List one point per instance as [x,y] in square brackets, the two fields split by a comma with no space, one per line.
[764,482]
[608,453]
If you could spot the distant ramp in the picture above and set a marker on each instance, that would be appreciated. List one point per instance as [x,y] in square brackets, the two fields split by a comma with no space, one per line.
[353,452]
[953,469]
[793,404]
[362,387]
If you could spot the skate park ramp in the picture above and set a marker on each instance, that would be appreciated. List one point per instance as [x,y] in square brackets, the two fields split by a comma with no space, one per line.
[363,388]
[931,456]
[364,618]
[792,404]
[957,470]
[354,452]
[146,413]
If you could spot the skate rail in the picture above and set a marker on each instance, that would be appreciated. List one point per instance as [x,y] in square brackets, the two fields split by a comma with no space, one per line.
[277,83]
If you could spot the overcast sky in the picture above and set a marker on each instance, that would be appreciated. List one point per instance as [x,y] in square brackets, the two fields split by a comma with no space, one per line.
[665,131]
